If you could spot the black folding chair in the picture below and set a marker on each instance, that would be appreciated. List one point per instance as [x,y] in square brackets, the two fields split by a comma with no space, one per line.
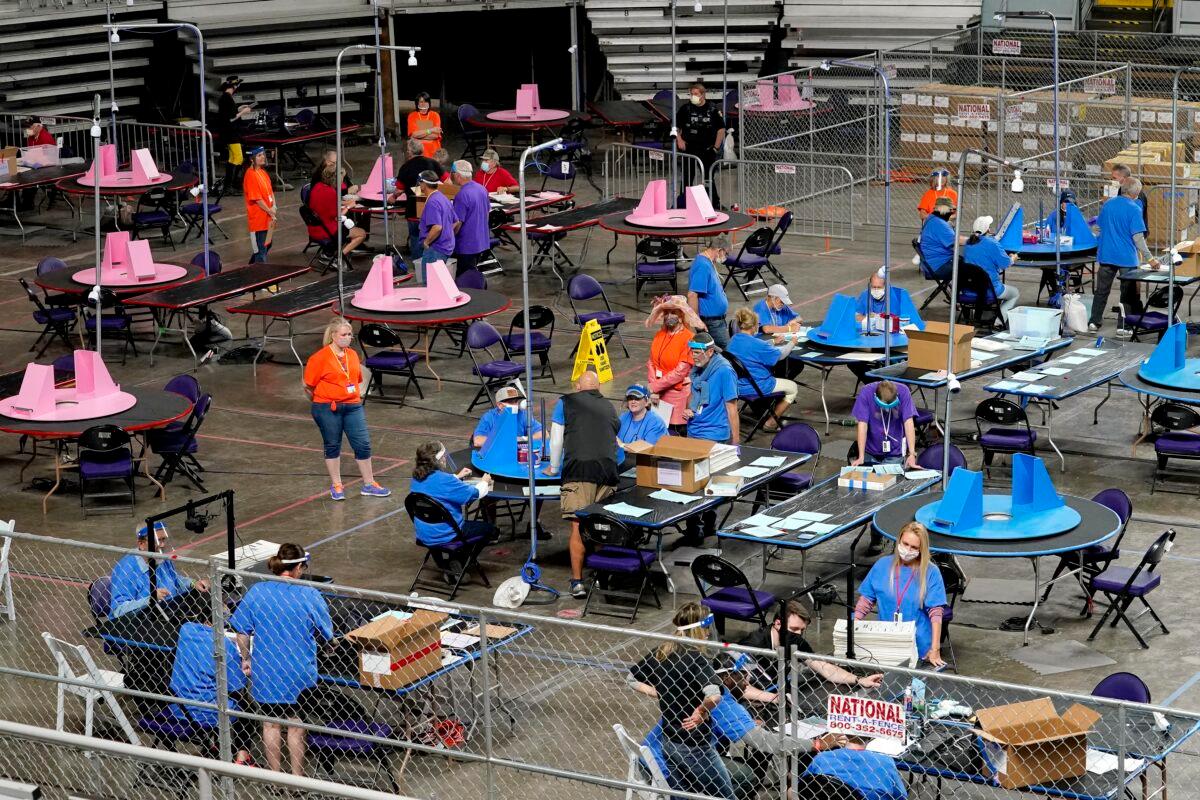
[617,551]
[465,551]
[1012,433]
[759,405]
[178,447]
[734,596]
[391,358]
[977,301]
[1121,586]
[57,321]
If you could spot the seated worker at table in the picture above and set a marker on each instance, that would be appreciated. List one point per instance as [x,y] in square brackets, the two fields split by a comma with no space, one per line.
[286,621]
[889,588]
[669,367]
[329,161]
[1121,246]
[985,252]
[706,294]
[886,434]
[583,447]
[873,775]
[1065,198]
[759,357]
[711,414]
[408,178]
[431,477]
[638,422]
[937,241]
[775,314]
[131,577]
[787,629]
[871,301]
[939,187]
[425,125]
[323,200]
[436,227]
[508,401]
[194,677]
[494,177]
[36,133]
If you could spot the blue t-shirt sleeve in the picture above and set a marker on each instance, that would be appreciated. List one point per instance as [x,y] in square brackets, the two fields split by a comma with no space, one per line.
[1136,223]
[872,585]
[242,620]
[319,613]
[655,429]
[725,386]
[456,491]
[943,234]
[484,428]
[935,588]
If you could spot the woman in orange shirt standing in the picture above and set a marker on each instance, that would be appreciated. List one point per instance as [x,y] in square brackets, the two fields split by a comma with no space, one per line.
[333,381]
[939,186]
[669,368]
[425,125]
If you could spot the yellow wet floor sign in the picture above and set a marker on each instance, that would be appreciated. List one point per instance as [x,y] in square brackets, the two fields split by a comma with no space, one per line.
[592,351]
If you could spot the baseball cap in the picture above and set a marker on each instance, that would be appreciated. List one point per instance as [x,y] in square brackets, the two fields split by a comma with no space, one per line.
[253,151]
[638,391]
[429,176]
[982,224]
[506,393]
[780,291]
[944,202]
[702,341]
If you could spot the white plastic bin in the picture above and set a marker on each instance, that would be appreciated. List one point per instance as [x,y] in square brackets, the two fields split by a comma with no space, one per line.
[1041,323]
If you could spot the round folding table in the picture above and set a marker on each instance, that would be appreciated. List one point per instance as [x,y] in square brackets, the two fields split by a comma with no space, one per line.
[72,186]
[62,280]
[1150,394]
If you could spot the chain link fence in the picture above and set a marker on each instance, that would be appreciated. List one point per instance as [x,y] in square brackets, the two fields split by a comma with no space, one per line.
[418,697]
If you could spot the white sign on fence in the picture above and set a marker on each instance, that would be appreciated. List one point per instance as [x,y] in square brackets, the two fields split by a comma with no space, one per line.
[1006,47]
[862,716]
[785,169]
[981,112]
[657,155]
[1066,184]
[1100,85]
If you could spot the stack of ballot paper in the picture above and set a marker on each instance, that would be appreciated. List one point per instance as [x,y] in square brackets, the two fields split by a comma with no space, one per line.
[721,457]
[889,643]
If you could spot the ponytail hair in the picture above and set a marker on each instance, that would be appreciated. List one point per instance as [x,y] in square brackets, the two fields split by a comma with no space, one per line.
[287,552]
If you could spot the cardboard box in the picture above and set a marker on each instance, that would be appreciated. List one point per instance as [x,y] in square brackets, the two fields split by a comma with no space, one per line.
[1029,743]
[1159,207]
[674,463]
[927,348]
[866,479]
[723,486]
[1190,266]
[396,652]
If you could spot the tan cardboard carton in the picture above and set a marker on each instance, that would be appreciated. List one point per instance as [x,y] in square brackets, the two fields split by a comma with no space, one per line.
[1029,743]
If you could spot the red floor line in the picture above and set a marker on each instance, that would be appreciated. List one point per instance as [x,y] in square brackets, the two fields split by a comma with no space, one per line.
[44,579]
[302,418]
[858,282]
[277,444]
[294,504]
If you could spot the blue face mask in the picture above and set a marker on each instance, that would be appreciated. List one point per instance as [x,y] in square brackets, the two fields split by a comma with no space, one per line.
[880,402]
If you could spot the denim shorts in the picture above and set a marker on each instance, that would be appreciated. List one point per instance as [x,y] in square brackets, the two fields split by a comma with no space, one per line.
[350,419]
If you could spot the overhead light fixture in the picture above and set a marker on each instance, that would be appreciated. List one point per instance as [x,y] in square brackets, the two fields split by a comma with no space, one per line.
[698,7]
[412,58]
[825,66]
[1018,185]
[95,131]
[998,16]
[114,37]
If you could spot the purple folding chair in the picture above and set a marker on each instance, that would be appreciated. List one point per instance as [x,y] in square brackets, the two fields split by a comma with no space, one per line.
[50,264]
[178,448]
[213,266]
[734,596]
[1123,686]
[330,749]
[1011,432]
[391,357]
[1122,585]
[1091,561]
[492,372]
[57,321]
[1175,440]
[100,597]
[795,437]
[931,458]
[471,279]
[585,287]
[616,551]
[1147,321]
[540,322]
[105,459]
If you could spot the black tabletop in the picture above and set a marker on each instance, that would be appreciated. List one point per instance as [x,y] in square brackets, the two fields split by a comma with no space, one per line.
[1155,276]
[1069,261]
[580,216]
[1045,251]
[311,297]
[617,224]
[177,183]
[902,373]
[483,303]
[1097,370]
[622,113]
[154,409]
[63,280]
[222,286]
[296,135]
[1097,523]
[42,175]
[664,513]
[481,120]
[1134,381]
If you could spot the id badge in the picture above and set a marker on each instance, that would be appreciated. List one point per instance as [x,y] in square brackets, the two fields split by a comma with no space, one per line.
[897,617]
[351,388]
[887,446]
[658,374]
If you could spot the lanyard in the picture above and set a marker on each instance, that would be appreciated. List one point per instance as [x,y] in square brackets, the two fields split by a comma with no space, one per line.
[657,354]
[900,593]
[635,435]
[345,368]
[886,418]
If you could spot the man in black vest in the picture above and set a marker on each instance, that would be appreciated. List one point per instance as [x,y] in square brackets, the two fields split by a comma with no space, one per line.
[583,441]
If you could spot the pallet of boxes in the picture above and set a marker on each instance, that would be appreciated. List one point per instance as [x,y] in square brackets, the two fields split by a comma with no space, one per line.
[938,121]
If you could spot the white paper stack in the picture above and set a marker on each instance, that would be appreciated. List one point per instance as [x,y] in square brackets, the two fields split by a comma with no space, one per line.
[891,644]
[721,457]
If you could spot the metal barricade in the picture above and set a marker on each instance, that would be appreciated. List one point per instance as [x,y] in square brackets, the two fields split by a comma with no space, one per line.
[819,196]
[628,168]
[75,133]
[175,147]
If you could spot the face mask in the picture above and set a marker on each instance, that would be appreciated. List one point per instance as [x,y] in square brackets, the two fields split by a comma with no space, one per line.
[486,166]
[697,100]
[423,107]
[29,131]
[877,294]
[907,553]
[792,641]
[670,320]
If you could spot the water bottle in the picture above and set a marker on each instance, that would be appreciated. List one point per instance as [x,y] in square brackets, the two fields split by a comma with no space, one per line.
[522,450]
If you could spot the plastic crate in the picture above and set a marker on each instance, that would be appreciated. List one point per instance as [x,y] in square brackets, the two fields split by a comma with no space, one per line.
[1041,323]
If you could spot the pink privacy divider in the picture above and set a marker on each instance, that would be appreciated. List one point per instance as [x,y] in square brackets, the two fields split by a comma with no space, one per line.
[781,95]
[766,95]
[373,188]
[144,168]
[116,255]
[379,293]
[143,172]
[529,108]
[525,104]
[108,165]
[119,267]
[141,263]
[532,88]
[789,92]
[94,395]
[652,211]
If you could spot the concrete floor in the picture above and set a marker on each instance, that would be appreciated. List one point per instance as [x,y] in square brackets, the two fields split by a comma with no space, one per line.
[260,440]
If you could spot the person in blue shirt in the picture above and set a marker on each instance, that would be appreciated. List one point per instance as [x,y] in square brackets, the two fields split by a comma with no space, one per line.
[706,295]
[194,677]
[759,357]
[985,252]
[508,401]
[285,621]
[872,302]
[1122,246]
[431,478]
[638,423]
[131,577]
[908,587]
[937,241]
[712,414]
[775,312]
[873,775]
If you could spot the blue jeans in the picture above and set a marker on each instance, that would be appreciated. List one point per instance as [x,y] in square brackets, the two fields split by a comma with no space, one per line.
[697,769]
[260,254]
[349,419]
[428,256]
[415,245]
[718,328]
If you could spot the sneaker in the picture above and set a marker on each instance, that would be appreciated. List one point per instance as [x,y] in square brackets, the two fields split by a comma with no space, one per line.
[1093,327]
[1123,333]
[374,490]
[337,492]
[578,590]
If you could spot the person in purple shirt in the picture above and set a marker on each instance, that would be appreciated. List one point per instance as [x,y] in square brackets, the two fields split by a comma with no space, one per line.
[471,207]
[886,434]
[437,224]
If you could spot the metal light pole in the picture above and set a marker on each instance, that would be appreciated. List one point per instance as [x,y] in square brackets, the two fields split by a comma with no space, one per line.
[204,176]
[887,195]
[95,132]
[1174,169]
[387,232]
[112,84]
[337,163]
[674,114]
[962,171]
[573,12]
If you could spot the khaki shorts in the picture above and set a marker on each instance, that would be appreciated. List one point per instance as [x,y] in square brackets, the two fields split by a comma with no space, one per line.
[577,496]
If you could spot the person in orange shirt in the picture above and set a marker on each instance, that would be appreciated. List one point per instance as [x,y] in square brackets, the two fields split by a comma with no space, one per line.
[425,125]
[333,382]
[669,368]
[939,186]
[260,205]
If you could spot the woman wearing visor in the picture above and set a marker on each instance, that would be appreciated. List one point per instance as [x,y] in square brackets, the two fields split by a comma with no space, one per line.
[285,620]
[939,187]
